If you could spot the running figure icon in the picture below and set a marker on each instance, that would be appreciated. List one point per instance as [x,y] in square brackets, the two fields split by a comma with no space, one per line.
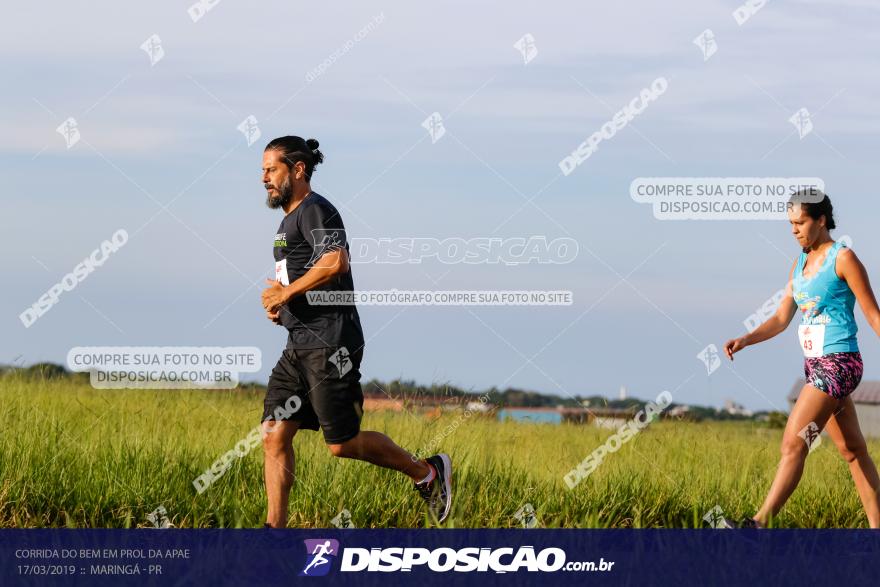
[319,558]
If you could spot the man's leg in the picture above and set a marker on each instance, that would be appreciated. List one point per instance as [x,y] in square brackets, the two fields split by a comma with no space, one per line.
[279,468]
[378,449]
[337,399]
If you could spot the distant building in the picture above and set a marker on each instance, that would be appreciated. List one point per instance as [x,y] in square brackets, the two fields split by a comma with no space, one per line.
[479,407]
[679,412]
[622,392]
[867,400]
[378,404]
[735,409]
[609,423]
[601,417]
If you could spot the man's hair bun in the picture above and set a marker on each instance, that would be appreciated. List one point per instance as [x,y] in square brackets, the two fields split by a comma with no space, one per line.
[313,144]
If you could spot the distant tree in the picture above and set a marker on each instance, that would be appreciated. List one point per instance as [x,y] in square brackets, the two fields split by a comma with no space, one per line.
[776,419]
[45,371]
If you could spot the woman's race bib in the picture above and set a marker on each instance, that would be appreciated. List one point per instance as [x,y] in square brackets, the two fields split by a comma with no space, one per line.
[812,339]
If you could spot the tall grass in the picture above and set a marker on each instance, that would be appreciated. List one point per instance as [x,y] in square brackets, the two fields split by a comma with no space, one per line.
[78,457]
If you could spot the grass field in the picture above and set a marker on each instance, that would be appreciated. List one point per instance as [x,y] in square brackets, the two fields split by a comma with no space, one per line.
[73,456]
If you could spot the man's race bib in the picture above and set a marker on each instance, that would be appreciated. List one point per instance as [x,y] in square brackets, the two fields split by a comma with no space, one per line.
[281,272]
[812,339]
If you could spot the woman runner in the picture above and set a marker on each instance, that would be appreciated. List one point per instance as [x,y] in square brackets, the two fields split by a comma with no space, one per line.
[825,282]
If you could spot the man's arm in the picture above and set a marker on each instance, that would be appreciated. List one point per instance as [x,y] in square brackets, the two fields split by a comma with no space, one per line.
[328,266]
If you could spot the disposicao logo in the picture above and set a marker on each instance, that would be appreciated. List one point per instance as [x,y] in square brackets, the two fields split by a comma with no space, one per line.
[319,556]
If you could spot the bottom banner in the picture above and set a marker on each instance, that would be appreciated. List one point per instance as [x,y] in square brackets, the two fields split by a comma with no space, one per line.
[426,557]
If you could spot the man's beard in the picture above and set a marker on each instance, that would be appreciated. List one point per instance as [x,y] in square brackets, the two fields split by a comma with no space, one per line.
[282,198]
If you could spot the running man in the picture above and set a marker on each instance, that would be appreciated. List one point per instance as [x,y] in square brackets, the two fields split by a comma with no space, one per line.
[319,368]
[825,282]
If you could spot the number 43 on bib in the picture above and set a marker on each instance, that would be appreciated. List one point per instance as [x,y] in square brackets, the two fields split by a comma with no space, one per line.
[812,339]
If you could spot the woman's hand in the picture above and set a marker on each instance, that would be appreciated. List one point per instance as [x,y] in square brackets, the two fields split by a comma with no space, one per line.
[734,346]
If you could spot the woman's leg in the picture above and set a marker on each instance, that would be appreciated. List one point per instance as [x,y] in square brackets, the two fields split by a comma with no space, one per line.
[844,430]
[812,407]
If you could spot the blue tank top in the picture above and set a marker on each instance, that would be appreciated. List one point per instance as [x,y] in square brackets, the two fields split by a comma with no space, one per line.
[826,303]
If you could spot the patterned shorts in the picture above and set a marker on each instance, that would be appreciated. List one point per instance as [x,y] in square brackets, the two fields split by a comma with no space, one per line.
[837,374]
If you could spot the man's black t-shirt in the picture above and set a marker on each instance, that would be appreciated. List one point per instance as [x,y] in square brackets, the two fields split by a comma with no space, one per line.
[312,229]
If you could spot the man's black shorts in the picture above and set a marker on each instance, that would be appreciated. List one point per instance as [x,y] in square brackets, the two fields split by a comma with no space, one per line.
[327,381]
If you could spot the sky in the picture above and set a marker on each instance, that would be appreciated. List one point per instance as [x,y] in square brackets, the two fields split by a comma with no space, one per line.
[160,155]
